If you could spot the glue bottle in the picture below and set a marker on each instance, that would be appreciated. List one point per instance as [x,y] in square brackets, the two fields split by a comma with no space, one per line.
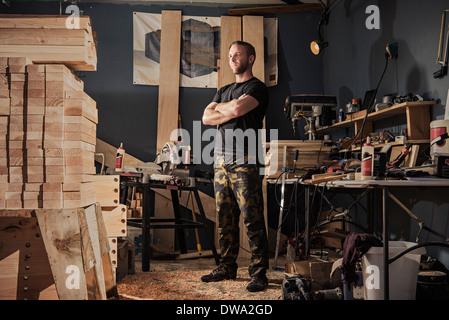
[119,159]
[367,160]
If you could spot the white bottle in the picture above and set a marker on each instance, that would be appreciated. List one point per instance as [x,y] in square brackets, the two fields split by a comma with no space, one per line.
[367,160]
[119,159]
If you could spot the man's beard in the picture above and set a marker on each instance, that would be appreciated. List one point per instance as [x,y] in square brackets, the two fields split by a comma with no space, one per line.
[241,68]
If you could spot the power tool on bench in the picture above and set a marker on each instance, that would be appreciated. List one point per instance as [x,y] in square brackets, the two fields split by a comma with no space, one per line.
[400,158]
[169,167]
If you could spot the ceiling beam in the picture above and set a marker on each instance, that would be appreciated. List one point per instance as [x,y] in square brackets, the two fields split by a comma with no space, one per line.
[305,7]
[292,1]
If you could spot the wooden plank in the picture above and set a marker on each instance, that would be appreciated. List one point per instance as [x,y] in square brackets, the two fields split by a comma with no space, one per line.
[104,251]
[330,178]
[115,220]
[231,30]
[306,7]
[26,21]
[90,253]
[170,60]
[367,128]
[47,53]
[60,37]
[107,189]
[253,33]
[164,238]
[60,231]
[9,274]
[418,120]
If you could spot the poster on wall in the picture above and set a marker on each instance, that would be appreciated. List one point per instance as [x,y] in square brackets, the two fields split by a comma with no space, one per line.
[200,50]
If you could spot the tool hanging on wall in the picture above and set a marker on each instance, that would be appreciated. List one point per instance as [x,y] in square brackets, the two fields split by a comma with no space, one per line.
[443,54]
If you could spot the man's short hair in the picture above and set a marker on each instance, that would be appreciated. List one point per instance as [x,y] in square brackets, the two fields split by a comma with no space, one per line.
[248,46]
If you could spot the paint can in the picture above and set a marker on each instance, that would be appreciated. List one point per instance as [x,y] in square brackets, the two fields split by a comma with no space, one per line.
[438,128]
[431,285]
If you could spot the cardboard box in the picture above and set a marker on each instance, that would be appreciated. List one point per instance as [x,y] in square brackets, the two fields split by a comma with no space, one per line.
[317,272]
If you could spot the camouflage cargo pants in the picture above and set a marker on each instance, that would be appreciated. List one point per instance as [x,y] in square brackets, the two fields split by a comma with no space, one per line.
[238,190]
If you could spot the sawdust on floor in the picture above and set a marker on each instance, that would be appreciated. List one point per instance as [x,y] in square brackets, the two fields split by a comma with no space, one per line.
[180,280]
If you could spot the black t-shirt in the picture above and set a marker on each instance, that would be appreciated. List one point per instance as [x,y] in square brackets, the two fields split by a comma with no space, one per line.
[244,129]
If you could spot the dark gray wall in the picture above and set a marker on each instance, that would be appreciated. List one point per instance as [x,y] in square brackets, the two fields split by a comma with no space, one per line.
[353,63]
[128,112]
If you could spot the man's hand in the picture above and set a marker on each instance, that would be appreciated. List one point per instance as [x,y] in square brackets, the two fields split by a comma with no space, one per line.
[212,117]
[238,107]
[219,113]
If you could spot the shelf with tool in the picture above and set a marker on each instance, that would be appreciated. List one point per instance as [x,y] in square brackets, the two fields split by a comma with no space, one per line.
[407,149]
[417,113]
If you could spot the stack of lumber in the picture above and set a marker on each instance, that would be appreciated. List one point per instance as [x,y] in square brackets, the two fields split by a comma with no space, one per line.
[134,203]
[48,137]
[49,39]
[312,153]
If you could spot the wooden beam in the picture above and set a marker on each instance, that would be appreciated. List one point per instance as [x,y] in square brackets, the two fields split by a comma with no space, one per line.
[170,61]
[306,7]
[231,30]
[253,33]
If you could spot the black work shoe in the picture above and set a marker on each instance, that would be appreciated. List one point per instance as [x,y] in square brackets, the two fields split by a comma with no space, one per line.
[258,283]
[219,275]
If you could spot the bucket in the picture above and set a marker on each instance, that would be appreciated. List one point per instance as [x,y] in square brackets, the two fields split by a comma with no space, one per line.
[431,285]
[403,273]
[437,128]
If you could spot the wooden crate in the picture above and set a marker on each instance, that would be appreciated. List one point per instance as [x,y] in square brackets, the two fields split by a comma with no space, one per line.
[311,154]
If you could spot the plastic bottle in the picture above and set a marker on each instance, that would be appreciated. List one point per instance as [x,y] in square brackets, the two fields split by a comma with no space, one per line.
[341,115]
[367,160]
[119,159]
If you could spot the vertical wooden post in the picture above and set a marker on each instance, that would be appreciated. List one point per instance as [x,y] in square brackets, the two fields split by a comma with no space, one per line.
[253,33]
[169,76]
[231,30]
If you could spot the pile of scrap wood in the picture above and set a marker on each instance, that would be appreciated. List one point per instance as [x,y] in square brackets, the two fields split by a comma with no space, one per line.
[48,137]
[59,39]
[311,153]
[55,254]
